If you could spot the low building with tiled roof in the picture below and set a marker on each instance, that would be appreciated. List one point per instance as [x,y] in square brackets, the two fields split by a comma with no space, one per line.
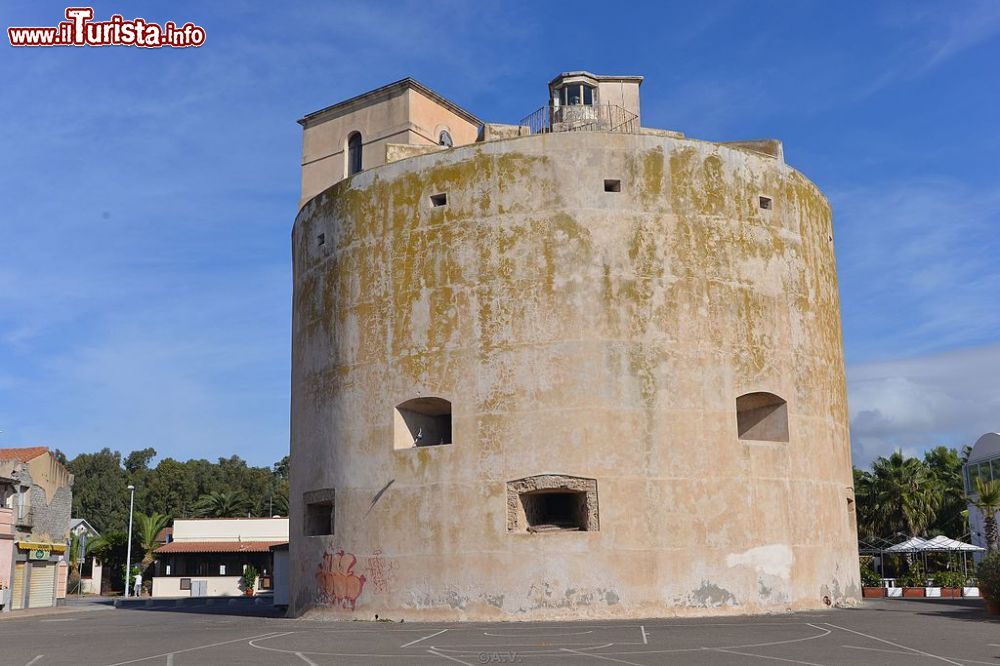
[207,557]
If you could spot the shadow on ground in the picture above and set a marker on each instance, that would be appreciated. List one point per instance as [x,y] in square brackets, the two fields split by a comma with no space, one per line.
[958,609]
[242,606]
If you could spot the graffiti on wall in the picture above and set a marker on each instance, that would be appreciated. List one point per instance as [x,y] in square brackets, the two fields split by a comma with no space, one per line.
[380,572]
[338,584]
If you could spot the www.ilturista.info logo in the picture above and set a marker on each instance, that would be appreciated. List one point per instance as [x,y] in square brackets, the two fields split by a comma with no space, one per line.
[80,30]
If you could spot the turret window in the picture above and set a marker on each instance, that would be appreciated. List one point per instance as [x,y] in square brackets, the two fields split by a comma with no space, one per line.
[573,94]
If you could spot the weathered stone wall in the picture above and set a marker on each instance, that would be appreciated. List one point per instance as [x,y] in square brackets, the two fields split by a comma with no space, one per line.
[581,333]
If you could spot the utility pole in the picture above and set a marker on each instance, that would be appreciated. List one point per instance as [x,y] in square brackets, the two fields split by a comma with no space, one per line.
[128,553]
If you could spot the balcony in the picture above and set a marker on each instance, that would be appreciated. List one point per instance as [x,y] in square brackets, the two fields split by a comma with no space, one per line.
[582,118]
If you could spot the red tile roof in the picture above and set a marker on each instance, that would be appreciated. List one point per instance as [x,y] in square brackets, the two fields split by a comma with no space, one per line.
[23,454]
[217,547]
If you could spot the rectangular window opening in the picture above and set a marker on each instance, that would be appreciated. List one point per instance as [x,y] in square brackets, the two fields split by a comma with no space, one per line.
[612,186]
[438,200]
[557,510]
[319,512]
[765,203]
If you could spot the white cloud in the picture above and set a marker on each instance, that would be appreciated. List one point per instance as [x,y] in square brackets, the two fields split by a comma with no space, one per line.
[949,398]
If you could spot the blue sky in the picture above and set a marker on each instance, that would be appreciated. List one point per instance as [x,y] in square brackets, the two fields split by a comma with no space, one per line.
[148,195]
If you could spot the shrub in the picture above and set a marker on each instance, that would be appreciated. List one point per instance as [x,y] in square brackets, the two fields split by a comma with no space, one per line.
[914,577]
[989,577]
[948,579]
[250,574]
[869,578]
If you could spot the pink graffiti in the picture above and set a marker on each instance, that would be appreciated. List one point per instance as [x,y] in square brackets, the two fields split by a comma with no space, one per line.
[338,584]
[380,571]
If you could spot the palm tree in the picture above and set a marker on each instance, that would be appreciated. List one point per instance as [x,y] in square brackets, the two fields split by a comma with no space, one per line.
[987,500]
[221,504]
[147,528]
[905,496]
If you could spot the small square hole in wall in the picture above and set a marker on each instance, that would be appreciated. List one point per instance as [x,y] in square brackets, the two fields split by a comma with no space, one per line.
[612,185]
[765,203]
[439,200]
[321,239]
[319,512]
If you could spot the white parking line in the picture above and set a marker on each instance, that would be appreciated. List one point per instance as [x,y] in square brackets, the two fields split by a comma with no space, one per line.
[871,649]
[882,640]
[434,652]
[764,656]
[437,633]
[200,647]
[597,656]
[34,660]
[306,659]
[644,640]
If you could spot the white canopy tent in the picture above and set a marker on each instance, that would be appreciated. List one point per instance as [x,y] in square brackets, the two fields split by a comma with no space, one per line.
[939,544]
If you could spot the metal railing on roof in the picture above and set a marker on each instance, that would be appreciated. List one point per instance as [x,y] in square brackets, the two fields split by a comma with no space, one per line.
[582,118]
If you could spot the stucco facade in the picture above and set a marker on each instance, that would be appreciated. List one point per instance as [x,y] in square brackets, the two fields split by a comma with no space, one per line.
[562,375]
[37,490]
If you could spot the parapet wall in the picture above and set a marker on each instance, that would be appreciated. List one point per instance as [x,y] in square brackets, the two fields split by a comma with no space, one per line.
[592,308]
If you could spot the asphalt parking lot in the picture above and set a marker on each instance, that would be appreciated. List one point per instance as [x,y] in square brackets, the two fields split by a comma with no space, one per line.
[898,631]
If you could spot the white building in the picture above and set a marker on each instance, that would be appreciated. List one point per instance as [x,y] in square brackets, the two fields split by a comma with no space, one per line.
[206,557]
[984,463]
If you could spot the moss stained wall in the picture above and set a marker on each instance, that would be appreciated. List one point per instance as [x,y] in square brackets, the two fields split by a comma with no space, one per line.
[577,332]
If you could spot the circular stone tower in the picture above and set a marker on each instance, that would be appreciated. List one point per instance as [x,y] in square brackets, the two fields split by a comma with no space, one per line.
[564,375]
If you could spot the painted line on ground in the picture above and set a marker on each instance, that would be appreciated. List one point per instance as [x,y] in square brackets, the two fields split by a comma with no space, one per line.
[763,656]
[467,650]
[306,659]
[170,659]
[538,635]
[200,647]
[599,656]
[419,640]
[882,640]
[871,649]
[35,660]
[444,656]
[645,641]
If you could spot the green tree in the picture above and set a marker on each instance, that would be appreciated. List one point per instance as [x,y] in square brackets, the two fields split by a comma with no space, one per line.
[945,465]
[280,469]
[110,549]
[863,504]
[100,492]
[904,495]
[221,504]
[147,527]
[172,488]
[987,500]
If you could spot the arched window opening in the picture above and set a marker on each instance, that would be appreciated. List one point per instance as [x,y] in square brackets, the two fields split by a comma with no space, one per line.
[422,422]
[762,417]
[444,139]
[354,153]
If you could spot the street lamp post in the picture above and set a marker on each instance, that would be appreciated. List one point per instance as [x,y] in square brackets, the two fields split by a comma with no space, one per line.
[128,553]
